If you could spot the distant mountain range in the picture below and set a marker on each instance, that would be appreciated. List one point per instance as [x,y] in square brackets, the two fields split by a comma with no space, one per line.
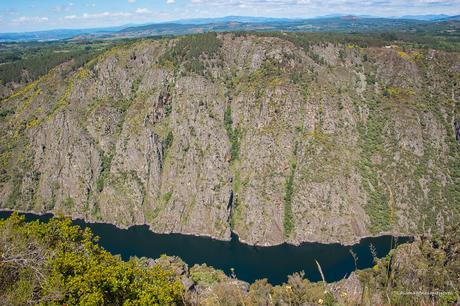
[243,19]
[335,22]
[449,18]
[58,34]
[424,17]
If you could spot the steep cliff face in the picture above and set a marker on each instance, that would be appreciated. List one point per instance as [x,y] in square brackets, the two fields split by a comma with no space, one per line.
[272,139]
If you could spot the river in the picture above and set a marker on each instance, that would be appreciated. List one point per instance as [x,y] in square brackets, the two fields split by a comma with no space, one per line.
[249,262]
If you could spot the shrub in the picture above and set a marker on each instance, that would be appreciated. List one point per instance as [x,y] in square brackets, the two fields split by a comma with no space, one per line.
[58,263]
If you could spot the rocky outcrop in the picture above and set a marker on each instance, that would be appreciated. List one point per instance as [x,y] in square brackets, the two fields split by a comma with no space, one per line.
[258,135]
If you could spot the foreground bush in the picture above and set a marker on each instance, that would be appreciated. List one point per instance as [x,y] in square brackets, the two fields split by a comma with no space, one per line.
[58,263]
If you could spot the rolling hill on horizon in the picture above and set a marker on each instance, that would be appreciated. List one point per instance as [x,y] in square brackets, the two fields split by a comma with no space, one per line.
[333,22]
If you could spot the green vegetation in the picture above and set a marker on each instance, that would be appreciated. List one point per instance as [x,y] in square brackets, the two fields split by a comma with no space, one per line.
[68,202]
[434,38]
[190,52]
[453,191]
[234,134]
[288,215]
[60,264]
[56,263]
[167,196]
[205,274]
[371,145]
[26,62]
[430,265]
[167,143]
[105,171]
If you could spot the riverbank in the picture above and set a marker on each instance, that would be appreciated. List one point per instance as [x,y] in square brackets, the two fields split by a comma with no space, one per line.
[64,264]
[250,262]
[350,242]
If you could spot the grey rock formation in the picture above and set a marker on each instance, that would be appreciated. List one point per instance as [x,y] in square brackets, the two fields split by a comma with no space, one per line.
[254,135]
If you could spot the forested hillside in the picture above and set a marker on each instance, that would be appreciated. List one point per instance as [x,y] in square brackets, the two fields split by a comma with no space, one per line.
[22,63]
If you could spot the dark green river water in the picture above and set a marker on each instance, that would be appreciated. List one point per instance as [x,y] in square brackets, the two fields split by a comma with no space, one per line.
[250,263]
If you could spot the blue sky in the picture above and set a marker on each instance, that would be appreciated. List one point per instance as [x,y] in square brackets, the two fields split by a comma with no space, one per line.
[31,15]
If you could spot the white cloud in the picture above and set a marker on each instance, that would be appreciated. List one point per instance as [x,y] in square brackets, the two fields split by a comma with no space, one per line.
[98,15]
[30,19]
[64,7]
[329,4]
[65,14]
[105,14]
[311,8]
[9,12]
[142,11]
